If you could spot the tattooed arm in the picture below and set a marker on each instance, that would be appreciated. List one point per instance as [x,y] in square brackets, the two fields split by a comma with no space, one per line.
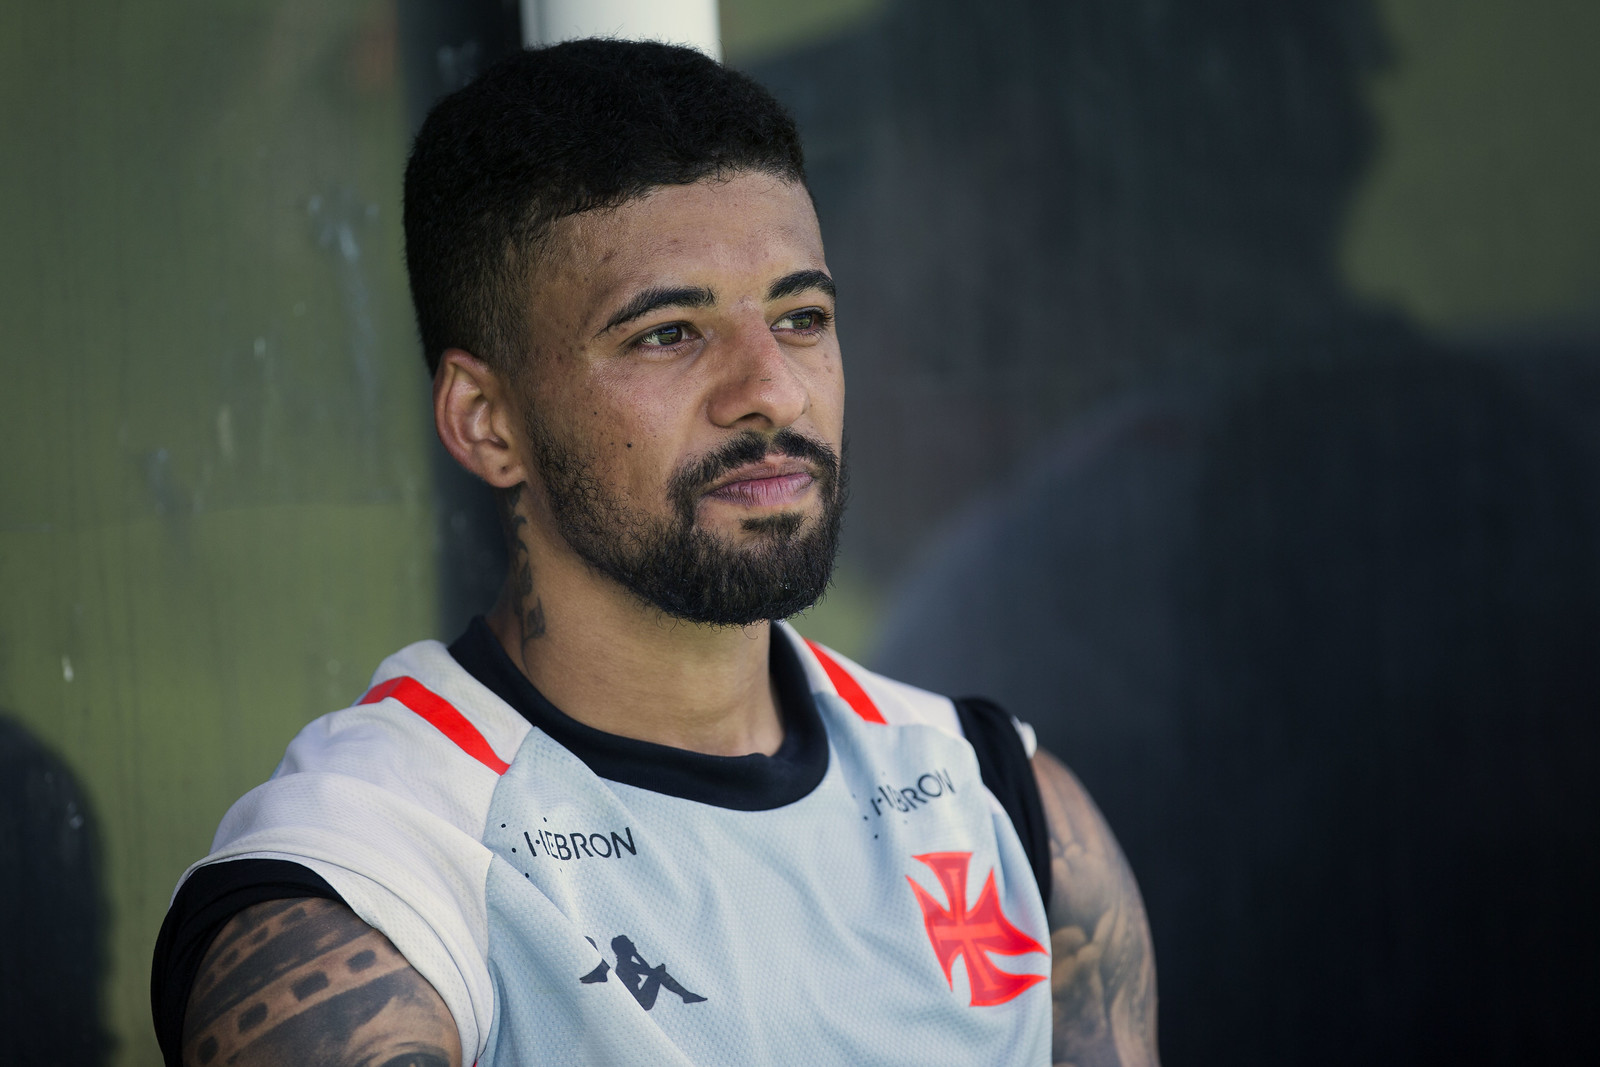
[1102,974]
[292,983]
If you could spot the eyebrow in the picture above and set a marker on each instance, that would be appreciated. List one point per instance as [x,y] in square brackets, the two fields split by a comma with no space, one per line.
[799,282]
[698,296]
[678,296]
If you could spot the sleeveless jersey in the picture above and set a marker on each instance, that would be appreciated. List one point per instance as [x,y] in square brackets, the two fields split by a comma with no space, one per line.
[885,915]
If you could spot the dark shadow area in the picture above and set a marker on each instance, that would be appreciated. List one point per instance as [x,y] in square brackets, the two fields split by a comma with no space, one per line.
[442,47]
[1385,815]
[52,911]
[1324,652]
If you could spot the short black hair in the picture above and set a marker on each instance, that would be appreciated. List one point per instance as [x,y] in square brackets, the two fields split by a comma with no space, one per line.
[550,132]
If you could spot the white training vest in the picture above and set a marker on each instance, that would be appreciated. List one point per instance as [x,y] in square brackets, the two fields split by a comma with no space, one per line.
[889,916]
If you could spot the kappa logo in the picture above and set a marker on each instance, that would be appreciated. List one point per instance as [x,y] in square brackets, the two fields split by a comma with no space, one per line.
[972,934]
[643,981]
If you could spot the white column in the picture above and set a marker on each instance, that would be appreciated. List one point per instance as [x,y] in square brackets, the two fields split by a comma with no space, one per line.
[690,22]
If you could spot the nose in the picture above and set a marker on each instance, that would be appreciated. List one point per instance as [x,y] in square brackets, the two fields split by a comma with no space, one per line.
[758,386]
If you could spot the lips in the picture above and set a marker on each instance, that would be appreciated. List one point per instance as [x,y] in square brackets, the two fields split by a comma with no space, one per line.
[772,483]
[759,473]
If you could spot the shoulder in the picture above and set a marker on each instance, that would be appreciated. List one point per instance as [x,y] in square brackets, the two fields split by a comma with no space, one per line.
[421,709]
[386,802]
[874,697]
[423,749]
[871,696]
[425,734]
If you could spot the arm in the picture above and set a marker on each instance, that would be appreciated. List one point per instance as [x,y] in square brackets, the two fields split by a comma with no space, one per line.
[1102,974]
[298,982]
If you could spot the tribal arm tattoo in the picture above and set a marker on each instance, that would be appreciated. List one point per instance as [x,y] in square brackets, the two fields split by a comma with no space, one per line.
[297,982]
[1102,973]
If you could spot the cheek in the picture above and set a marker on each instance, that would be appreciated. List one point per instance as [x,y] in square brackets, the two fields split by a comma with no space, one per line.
[826,383]
[634,440]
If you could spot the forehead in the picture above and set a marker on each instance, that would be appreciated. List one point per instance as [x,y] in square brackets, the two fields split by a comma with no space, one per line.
[723,234]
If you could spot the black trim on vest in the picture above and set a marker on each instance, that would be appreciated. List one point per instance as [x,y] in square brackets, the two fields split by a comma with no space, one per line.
[211,897]
[1006,770]
[741,783]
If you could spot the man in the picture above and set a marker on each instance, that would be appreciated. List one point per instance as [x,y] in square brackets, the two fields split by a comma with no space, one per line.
[630,816]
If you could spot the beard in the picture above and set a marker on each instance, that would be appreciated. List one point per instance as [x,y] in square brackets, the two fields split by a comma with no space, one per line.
[678,566]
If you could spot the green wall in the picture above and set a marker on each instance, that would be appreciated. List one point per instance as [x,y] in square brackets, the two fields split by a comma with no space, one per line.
[214,499]
[1480,211]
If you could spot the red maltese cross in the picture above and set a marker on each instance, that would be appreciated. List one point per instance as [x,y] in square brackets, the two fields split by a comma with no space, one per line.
[972,934]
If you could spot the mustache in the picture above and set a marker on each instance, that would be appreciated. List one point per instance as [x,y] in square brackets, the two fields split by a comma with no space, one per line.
[751,447]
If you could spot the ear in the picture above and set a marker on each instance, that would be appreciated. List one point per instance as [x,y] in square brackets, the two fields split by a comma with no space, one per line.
[476,416]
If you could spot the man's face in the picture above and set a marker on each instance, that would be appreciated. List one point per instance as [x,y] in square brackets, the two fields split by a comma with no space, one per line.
[685,400]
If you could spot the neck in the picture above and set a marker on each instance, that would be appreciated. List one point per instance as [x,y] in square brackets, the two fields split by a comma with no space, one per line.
[615,664]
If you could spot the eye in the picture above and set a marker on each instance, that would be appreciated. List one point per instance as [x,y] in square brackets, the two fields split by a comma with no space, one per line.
[665,336]
[804,321]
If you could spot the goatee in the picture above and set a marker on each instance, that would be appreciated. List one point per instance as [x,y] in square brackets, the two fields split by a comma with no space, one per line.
[689,572]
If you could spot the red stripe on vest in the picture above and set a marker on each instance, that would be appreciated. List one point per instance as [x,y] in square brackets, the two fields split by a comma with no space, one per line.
[846,686]
[442,715]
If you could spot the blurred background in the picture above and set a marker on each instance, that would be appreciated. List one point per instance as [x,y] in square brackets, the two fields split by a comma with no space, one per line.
[1225,400]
